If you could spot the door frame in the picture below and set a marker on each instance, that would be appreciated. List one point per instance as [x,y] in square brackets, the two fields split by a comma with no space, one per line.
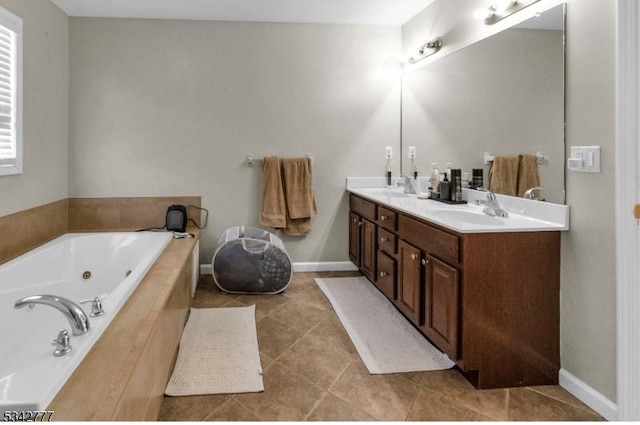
[627,194]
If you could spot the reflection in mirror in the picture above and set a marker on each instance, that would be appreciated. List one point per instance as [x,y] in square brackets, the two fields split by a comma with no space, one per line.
[503,95]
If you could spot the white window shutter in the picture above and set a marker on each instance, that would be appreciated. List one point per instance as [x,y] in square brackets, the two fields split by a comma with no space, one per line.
[10,108]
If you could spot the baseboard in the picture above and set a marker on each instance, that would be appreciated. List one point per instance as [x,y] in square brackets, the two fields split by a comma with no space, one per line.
[326,266]
[583,392]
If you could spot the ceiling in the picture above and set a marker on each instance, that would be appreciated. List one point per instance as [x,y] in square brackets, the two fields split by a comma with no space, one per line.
[364,12]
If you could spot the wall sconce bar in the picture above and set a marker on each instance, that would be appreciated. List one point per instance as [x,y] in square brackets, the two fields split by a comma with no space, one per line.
[495,15]
[427,50]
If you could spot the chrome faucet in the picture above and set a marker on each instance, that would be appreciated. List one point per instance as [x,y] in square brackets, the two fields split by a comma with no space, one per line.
[72,311]
[529,193]
[492,207]
[407,184]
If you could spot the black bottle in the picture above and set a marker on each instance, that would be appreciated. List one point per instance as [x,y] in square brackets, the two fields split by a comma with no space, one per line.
[445,189]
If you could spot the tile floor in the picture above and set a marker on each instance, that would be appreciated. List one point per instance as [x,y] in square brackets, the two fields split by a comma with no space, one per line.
[313,373]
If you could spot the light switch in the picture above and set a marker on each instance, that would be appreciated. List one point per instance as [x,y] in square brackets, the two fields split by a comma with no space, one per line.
[584,159]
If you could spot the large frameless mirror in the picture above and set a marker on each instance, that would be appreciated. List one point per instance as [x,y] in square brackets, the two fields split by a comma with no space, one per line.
[503,95]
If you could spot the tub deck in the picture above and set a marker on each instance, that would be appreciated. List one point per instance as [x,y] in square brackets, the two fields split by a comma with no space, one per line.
[124,375]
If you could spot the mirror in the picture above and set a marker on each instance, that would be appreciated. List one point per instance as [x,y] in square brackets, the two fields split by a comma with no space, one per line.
[503,95]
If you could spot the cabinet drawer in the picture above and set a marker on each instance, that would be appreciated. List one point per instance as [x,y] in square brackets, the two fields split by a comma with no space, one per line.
[387,218]
[386,279]
[387,241]
[431,240]
[363,207]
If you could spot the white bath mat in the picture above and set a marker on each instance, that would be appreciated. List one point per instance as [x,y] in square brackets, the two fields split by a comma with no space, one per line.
[384,338]
[218,354]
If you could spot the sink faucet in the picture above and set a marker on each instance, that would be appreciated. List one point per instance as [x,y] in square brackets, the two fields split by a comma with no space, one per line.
[407,184]
[529,193]
[492,207]
[72,311]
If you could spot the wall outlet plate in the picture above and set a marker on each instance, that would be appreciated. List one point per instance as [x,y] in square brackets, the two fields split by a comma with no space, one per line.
[584,159]
[388,152]
[412,152]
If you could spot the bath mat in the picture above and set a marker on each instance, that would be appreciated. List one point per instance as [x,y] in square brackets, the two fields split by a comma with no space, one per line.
[218,354]
[384,338]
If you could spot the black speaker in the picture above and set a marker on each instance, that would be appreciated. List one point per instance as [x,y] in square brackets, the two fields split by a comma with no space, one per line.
[176,218]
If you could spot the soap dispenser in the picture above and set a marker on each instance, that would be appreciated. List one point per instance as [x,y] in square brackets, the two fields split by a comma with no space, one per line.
[445,189]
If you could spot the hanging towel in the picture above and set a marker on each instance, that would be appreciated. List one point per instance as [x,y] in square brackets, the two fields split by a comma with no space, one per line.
[528,176]
[503,175]
[273,207]
[298,189]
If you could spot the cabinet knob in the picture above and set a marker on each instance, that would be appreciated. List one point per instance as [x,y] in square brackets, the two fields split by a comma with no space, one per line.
[382,274]
[414,256]
[425,262]
[359,223]
[383,240]
[383,217]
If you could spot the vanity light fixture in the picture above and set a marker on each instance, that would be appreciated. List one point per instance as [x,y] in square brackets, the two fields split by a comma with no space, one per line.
[500,9]
[427,50]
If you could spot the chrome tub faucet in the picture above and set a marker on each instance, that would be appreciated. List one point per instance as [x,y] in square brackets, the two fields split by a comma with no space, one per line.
[529,193]
[72,311]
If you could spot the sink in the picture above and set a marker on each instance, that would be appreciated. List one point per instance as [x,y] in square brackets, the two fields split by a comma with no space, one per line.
[470,217]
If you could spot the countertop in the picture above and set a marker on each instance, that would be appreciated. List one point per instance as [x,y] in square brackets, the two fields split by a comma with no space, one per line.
[524,215]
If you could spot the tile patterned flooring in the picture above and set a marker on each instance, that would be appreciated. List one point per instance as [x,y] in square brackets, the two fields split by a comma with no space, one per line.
[313,373]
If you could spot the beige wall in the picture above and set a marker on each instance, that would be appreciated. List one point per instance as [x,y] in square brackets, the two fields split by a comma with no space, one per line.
[45,107]
[588,315]
[163,107]
[588,297]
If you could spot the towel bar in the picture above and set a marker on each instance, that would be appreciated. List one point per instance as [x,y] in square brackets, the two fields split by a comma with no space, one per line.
[251,159]
[540,158]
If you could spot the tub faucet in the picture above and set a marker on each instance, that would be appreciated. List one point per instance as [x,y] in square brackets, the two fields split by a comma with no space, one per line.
[407,184]
[72,311]
[492,207]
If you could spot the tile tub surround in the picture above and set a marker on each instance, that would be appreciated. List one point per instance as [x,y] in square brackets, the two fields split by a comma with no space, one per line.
[124,375]
[131,213]
[312,372]
[25,230]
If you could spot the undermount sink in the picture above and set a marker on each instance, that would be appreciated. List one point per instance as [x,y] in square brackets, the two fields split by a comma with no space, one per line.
[471,217]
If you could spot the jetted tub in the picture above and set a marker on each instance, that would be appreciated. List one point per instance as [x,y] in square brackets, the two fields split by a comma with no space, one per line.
[75,266]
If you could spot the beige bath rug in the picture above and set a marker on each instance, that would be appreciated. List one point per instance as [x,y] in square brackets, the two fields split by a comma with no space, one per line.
[384,338]
[218,354]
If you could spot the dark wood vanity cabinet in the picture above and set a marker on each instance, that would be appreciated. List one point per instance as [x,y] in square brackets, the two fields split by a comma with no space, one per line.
[490,301]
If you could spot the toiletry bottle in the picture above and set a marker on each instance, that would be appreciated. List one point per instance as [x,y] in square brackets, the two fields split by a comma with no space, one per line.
[456,185]
[445,188]
[434,178]
[388,175]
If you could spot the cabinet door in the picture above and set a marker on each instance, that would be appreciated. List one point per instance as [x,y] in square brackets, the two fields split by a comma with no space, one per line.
[368,249]
[409,281]
[386,281]
[354,238]
[441,305]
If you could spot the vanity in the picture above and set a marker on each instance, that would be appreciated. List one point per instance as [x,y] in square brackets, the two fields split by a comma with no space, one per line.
[484,290]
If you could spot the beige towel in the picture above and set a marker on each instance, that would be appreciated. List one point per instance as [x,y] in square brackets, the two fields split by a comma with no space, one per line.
[528,176]
[272,208]
[503,175]
[301,203]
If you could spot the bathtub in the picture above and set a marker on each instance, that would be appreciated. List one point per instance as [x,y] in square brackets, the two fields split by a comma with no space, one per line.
[75,266]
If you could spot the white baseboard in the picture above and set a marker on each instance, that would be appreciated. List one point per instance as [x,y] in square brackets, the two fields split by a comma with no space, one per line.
[583,392]
[326,266]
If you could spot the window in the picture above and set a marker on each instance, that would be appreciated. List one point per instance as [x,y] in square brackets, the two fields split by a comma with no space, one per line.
[10,93]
